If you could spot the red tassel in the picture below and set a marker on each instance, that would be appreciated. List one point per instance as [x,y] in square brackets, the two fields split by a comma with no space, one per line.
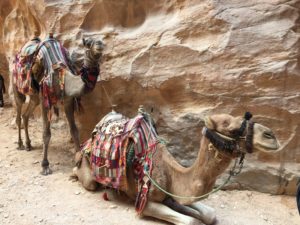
[105,196]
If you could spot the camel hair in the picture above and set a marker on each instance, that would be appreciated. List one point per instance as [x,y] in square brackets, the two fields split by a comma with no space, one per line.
[200,178]
[74,87]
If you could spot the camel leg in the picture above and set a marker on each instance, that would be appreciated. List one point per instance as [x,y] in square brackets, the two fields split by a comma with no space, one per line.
[83,174]
[162,212]
[69,111]
[207,214]
[19,100]
[46,139]
[186,210]
[34,101]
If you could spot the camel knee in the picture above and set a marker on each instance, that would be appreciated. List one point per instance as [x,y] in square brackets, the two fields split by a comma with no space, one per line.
[84,176]
[90,186]
[18,120]
[86,180]
[25,117]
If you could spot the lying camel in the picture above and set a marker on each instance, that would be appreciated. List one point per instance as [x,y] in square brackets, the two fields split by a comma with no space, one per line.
[224,138]
[74,87]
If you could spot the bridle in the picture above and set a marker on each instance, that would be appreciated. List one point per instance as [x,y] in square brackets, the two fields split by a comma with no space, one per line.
[230,146]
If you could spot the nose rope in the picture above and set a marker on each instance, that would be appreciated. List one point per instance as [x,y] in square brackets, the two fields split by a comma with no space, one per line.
[107,96]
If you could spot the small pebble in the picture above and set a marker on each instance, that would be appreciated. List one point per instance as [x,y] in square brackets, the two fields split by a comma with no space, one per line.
[113,207]
[77,192]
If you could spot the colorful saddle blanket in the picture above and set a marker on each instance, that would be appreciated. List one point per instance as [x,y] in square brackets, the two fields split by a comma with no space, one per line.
[22,67]
[118,142]
[56,61]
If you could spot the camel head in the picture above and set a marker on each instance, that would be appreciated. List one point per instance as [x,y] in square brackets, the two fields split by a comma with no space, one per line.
[231,133]
[94,46]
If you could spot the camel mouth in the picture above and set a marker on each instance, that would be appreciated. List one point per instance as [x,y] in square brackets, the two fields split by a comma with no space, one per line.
[268,149]
[99,49]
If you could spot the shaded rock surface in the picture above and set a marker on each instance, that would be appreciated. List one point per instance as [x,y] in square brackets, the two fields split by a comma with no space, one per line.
[185,60]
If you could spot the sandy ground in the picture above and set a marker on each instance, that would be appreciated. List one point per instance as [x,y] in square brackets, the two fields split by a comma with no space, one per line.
[28,198]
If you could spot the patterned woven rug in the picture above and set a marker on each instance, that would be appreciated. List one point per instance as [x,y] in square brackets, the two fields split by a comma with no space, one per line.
[22,67]
[118,142]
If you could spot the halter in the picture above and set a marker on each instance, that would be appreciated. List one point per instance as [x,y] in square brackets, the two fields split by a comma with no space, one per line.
[89,74]
[229,146]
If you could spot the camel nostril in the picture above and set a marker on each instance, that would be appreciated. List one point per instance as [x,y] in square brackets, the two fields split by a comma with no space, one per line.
[268,135]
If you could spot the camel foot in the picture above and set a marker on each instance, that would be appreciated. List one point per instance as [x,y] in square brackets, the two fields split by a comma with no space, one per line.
[21,147]
[46,171]
[194,221]
[78,158]
[28,146]
[191,221]
[208,214]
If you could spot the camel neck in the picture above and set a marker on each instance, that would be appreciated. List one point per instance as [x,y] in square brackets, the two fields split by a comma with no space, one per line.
[201,176]
[209,164]
[90,61]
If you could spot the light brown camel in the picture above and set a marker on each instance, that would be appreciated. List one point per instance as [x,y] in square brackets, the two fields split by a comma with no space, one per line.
[224,138]
[74,87]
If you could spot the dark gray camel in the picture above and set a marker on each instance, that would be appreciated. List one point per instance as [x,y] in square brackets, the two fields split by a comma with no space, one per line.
[75,86]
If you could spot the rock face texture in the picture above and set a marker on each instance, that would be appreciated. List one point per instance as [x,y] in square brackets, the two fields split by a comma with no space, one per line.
[183,59]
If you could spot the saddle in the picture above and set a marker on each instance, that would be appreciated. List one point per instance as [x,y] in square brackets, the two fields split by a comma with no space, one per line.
[117,143]
[22,70]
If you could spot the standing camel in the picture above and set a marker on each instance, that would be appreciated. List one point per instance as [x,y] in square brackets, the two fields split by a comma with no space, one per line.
[65,85]
[224,138]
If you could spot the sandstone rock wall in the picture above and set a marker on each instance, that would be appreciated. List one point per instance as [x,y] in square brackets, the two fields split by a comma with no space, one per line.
[184,59]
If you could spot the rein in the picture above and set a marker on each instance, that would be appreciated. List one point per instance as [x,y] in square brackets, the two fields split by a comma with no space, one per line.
[232,173]
[222,143]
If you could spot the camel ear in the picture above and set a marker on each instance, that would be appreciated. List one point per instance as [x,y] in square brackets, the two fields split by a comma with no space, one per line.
[87,42]
[209,123]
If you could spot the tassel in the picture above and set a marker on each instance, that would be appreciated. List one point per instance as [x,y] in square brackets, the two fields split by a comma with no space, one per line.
[105,196]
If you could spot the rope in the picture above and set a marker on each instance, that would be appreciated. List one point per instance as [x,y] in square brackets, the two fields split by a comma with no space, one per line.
[189,197]
[232,173]
[107,96]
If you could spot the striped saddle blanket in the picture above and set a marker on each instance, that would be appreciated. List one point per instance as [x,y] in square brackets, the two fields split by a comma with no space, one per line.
[56,61]
[117,143]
